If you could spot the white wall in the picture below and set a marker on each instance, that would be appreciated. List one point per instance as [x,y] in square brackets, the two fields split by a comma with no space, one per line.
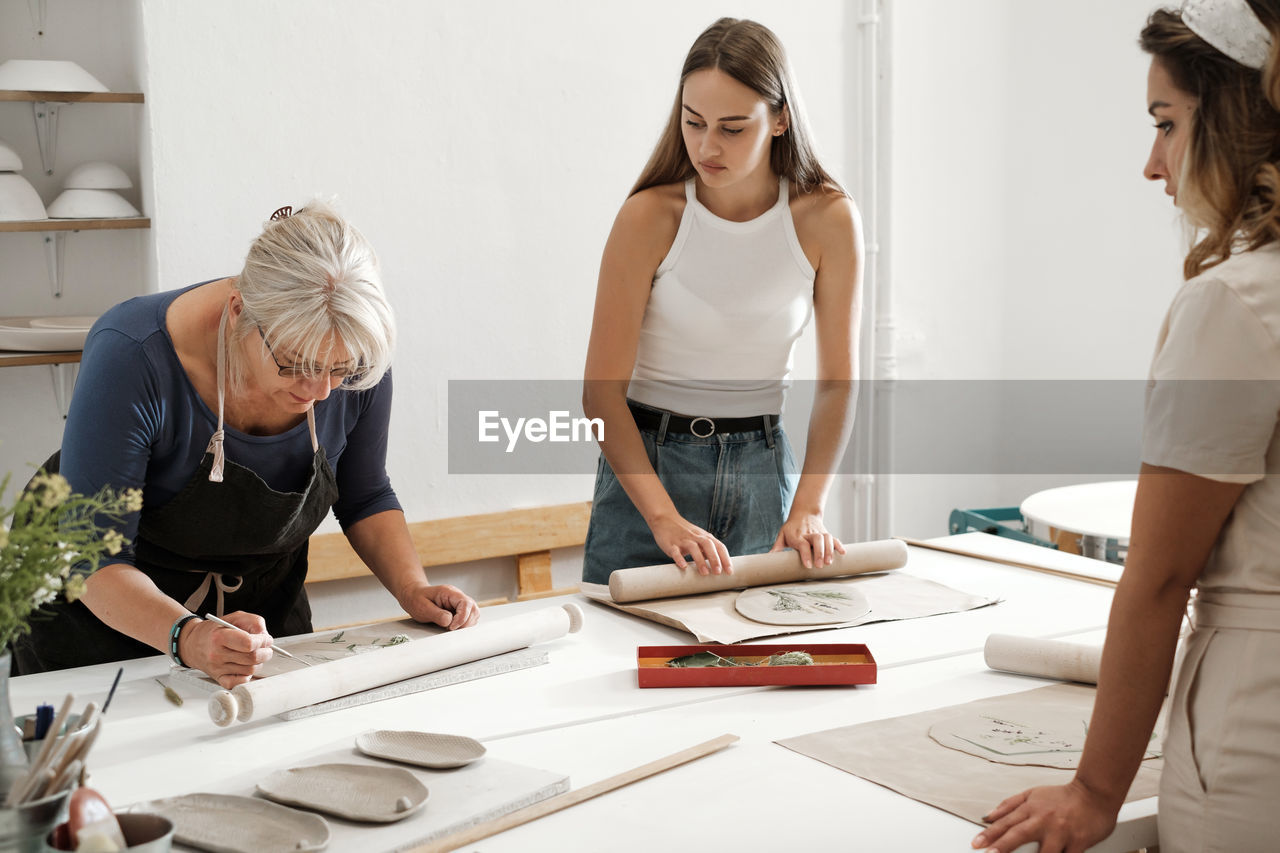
[1024,243]
[483,148]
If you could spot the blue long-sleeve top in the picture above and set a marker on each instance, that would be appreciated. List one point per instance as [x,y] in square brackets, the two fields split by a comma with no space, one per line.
[136,421]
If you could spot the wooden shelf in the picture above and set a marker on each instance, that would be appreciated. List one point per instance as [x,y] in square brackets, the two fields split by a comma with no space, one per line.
[72,97]
[76,224]
[13,358]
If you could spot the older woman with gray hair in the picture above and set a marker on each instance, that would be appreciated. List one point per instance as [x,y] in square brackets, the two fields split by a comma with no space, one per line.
[245,408]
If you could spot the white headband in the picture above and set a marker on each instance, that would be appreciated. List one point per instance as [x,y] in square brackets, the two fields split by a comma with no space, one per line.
[1231,27]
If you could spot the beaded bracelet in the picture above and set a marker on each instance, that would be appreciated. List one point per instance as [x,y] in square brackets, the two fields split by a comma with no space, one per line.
[174,632]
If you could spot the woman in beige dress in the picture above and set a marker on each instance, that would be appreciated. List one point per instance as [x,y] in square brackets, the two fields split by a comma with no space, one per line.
[1207,514]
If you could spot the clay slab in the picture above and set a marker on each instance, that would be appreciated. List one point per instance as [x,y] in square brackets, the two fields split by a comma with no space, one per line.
[426,749]
[353,791]
[222,823]
[802,604]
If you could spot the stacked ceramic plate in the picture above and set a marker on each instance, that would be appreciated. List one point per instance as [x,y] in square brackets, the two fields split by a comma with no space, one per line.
[44,334]
[89,192]
[18,199]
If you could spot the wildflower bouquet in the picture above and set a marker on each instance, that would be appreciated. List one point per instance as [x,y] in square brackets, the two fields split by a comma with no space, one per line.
[46,534]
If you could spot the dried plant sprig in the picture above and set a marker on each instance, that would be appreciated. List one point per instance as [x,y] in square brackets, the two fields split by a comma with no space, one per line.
[50,539]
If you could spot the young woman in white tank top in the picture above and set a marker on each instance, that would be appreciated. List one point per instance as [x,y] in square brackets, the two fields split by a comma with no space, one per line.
[731,239]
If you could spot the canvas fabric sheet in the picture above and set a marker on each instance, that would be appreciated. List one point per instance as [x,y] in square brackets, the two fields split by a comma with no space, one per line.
[713,618]
[899,754]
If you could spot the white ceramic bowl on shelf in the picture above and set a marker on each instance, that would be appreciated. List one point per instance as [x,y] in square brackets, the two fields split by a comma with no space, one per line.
[18,199]
[47,75]
[9,159]
[23,333]
[98,175]
[91,204]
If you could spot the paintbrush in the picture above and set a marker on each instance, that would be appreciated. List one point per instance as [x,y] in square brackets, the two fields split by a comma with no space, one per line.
[227,624]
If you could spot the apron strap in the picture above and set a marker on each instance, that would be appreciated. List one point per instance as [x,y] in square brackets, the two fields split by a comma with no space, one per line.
[214,579]
[216,440]
[1241,610]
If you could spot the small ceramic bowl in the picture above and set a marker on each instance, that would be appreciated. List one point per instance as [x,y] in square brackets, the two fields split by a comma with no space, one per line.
[18,199]
[47,75]
[97,175]
[144,833]
[91,204]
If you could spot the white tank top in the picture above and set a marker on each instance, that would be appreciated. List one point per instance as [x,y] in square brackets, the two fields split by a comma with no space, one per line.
[728,303]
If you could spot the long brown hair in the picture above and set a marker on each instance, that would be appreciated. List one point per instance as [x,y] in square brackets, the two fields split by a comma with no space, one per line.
[1230,181]
[751,54]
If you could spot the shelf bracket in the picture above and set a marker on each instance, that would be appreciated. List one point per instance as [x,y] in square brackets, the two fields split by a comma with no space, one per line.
[64,382]
[55,249]
[46,116]
[38,9]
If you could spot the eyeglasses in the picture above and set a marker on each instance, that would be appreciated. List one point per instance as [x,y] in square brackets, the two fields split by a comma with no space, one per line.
[347,374]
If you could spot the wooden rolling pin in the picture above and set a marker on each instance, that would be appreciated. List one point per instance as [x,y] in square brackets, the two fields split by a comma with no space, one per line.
[297,689]
[669,580]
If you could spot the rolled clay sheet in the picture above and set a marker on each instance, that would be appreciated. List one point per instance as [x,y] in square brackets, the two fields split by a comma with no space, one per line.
[1044,658]
[669,580]
[303,687]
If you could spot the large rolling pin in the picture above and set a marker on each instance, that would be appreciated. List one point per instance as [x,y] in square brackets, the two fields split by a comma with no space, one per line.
[1043,658]
[670,580]
[297,689]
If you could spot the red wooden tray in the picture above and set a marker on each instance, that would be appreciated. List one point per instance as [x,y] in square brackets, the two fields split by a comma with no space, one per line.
[833,663]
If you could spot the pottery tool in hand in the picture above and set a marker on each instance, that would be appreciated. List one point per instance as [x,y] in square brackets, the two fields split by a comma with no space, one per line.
[277,649]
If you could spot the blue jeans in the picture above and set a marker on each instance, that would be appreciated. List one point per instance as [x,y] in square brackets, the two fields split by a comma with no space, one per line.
[738,487]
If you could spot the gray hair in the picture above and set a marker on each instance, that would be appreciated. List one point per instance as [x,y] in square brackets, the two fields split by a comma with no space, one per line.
[311,280]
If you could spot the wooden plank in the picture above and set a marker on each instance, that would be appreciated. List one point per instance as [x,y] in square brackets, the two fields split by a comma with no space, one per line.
[72,97]
[500,534]
[13,358]
[121,224]
[463,539]
[533,573]
[549,593]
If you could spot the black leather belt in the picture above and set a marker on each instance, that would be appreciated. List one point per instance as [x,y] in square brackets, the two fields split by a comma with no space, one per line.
[701,427]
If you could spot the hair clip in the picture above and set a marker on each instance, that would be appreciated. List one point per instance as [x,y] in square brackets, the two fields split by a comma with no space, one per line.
[282,213]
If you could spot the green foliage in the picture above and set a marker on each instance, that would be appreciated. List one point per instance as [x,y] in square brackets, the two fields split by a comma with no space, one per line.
[50,540]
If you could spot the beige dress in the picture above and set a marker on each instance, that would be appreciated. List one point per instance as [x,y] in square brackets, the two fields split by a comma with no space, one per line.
[1213,403]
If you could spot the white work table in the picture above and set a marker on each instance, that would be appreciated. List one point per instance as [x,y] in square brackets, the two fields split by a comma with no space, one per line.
[582,714]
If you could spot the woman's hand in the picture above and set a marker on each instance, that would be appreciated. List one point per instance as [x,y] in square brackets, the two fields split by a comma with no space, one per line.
[443,605]
[1064,819]
[229,656]
[808,536]
[677,537]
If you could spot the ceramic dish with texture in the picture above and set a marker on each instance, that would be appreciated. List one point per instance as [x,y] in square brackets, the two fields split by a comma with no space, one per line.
[426,749]
[354,791]
[222,823]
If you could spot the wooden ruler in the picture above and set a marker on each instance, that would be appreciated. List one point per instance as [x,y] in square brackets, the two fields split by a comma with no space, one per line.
[572,798]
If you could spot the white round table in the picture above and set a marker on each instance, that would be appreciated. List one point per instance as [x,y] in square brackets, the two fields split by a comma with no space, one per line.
[1091,519]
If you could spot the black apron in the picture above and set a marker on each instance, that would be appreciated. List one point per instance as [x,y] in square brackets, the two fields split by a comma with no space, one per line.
[226,542]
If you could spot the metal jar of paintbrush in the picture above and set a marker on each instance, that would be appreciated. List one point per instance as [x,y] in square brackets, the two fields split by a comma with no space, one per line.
[36,797]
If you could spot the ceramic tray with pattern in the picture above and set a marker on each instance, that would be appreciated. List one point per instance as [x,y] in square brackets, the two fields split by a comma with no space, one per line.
[354,791]
[222,823]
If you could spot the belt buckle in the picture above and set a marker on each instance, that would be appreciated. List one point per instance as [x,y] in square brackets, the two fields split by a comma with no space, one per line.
[693,427]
